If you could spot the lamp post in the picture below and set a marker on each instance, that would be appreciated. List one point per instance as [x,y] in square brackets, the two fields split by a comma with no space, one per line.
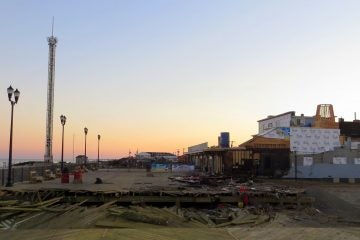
[85,131]
[63,121]
[13,101]
[98,150]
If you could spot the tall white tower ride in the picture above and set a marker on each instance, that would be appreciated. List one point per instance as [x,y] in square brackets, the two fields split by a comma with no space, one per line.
[48,157]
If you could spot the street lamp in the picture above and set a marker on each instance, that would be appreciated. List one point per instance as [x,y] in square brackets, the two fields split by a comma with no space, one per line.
[16,93]
[98,150]
[85,131]
[63,121]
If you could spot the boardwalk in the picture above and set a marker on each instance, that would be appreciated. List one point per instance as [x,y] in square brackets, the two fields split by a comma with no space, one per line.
[71,219]
[113,180]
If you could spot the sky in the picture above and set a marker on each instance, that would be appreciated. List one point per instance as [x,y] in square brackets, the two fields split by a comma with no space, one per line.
[162,75]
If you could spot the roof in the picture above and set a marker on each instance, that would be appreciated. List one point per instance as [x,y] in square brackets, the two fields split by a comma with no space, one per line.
[267,143]
[270,117]
[157,153]
[351,129]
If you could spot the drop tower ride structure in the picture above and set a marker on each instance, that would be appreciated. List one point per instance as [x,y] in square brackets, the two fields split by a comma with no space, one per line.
[52,41]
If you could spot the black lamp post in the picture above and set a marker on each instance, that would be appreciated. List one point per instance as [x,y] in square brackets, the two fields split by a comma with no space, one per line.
[16,93]
[98,150]
[85,131]
[63,121]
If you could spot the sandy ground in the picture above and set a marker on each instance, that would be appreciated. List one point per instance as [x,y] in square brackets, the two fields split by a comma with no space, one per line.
[113,179]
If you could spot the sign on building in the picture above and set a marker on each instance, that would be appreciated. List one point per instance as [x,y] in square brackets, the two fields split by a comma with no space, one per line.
[182,168]
[308,161]
[160,167]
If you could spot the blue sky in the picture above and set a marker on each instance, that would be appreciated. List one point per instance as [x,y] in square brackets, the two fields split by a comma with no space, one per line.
[164,75]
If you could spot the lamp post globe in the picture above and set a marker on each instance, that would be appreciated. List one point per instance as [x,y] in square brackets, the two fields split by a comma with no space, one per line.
[16,95]
[13,101]
[10,92]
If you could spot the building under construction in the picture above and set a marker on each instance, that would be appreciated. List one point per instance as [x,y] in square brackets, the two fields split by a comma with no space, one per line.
[317,146]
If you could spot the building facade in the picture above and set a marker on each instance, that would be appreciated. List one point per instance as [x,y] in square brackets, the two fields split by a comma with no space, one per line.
[155,156]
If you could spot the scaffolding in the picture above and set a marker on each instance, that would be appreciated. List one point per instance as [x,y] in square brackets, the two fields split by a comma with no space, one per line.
[325,117]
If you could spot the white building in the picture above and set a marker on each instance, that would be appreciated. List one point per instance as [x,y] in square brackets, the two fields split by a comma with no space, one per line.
[156,156]
[281,120]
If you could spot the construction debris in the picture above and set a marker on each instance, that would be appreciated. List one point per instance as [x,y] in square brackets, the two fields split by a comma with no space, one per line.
[139,216]
[98,181]
[178,203]
[49,175]
[34,178]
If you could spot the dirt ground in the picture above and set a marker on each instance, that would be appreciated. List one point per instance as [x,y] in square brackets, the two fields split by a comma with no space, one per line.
[186,234]
[335,214]
[339,199]
[113,180]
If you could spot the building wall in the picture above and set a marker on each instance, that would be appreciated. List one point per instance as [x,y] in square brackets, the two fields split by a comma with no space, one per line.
[198,148]
[278,133]
[341,163]
[143,155]
[281,121]
[325,170]
[240,156]
[80,159]
[156,156]
[328,157]
[211,162]
[302,121]
[313,140]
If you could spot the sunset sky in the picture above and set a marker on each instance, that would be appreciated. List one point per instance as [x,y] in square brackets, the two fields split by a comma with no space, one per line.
[164,75]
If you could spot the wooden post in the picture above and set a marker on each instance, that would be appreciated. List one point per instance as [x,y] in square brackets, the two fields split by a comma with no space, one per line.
[22,174]
[178,205]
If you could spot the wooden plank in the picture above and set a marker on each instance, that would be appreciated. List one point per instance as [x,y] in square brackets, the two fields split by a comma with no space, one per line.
[19,209]
[8,202]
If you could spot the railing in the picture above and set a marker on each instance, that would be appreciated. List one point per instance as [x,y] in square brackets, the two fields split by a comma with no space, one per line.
[22,173]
